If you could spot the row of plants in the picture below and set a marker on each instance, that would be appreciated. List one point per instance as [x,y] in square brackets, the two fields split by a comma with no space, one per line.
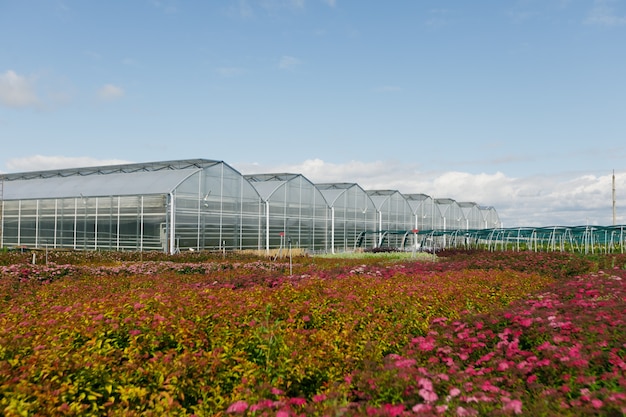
[480,333]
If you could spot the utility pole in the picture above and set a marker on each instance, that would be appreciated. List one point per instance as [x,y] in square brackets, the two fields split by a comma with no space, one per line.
[613,197]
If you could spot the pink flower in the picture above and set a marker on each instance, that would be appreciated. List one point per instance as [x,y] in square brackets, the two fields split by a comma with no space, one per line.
[425,383]
[394,410]
[297,401]
[261,405]
[425,344]
[318,398]
[487,386]
[596,403]
[503,366]
[512,405]
[465,412]
[428,395]
[405,363]
[454,392]
[422,408]
[237,407]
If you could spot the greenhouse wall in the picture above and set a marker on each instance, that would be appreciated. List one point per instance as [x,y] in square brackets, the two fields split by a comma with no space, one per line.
[87,223]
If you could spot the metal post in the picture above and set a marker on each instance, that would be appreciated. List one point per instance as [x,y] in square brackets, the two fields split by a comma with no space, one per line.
[290,261]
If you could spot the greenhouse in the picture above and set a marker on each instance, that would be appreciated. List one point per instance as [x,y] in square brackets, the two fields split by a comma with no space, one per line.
[200,204]
[395,217]
[168,206]
[294,211]
[423,209]
[490,218]
[352,212]
[448,215]
[472,216]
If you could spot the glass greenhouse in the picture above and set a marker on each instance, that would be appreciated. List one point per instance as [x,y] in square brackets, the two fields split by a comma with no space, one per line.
[490,218]
[293,210]
[352,213]
[190,204]
[423,209]
[472,215]
[394,216]
[200,204]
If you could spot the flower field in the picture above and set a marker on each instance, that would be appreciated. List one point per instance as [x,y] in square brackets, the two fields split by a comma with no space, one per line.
[468,333]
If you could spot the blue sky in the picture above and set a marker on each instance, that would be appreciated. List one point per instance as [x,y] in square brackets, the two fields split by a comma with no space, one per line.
[519,104]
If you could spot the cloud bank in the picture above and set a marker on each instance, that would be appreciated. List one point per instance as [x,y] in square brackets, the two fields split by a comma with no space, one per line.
[17,90]
[568,199]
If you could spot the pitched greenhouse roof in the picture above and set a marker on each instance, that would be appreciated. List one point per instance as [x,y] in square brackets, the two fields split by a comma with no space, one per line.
[111,169]
[128,183]
[267,184]
[333,190]
[106,180]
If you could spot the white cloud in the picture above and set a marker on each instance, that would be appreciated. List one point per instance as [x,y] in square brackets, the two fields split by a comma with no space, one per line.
[331,3]
[603,14]
[288,62]
[562,200]
[17,90]
[42,162]
[110,92]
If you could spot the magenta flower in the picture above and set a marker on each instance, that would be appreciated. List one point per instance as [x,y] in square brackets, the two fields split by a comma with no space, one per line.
[297,401]
[425,383]
[237,407]
[394,410]
[428,395]
[514,406]
[422,408]
[465,412]
[318,398]
[425,344]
